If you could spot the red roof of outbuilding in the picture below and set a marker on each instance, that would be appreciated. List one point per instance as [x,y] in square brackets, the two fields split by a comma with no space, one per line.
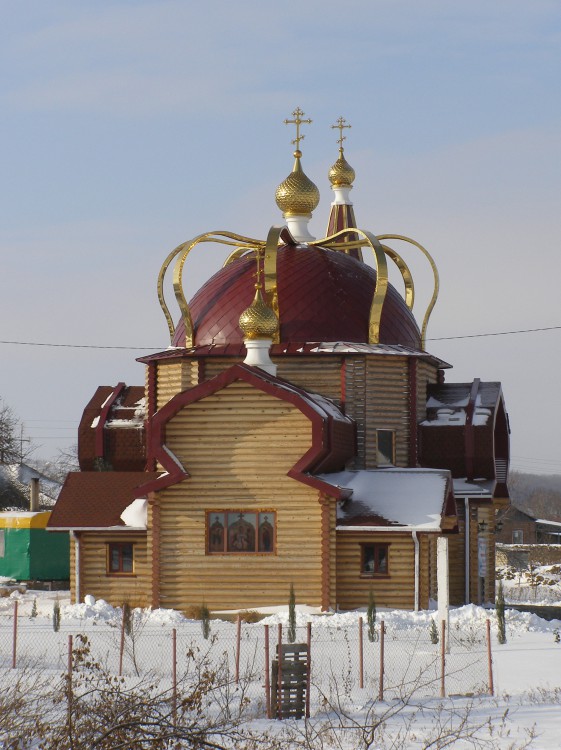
[323,295]
[96,499]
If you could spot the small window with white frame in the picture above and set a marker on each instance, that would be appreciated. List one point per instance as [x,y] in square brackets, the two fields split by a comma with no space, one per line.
[517,536]
[385,447]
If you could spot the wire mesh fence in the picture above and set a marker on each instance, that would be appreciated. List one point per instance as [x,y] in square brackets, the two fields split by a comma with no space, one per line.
[347,662]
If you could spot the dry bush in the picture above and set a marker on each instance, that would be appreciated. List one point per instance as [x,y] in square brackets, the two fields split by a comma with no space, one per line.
[194,612]
[250,616]
[95,709]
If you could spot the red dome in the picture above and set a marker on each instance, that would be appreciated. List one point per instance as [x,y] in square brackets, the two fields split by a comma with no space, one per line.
[323,295]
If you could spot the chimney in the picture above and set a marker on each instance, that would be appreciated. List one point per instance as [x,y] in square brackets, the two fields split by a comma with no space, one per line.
[34,495]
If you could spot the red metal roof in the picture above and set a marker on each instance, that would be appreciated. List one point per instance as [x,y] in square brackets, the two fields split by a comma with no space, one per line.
[122,449]
[96,499]
[323,295]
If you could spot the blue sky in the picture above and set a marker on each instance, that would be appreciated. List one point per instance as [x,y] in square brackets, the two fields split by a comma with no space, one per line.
[129,127]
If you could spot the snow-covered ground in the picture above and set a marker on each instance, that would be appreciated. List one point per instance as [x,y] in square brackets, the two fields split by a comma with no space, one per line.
[526,670]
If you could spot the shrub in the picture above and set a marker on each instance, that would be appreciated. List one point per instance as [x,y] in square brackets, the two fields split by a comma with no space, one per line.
[433,632]
[56,616]
[205,620]
[34,609]
[371,617]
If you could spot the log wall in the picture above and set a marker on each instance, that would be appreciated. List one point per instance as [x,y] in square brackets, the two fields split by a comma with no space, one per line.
[238,446]
[94,580]
[426,373]
[373,390]
[387,406]
[394,590]
[173,378]
[478,592]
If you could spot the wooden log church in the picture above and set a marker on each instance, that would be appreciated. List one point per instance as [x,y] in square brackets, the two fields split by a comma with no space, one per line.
[295,431]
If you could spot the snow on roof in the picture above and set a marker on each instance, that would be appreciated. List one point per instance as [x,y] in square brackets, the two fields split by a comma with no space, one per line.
[320,404]
[127,423]
[454,413]
[447,404]
[482,487]
[413,498]
[136,514]
[548,523]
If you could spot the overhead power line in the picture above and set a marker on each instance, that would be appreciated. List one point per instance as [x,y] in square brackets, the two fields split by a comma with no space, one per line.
[498,333]
[158,348]
[77,346]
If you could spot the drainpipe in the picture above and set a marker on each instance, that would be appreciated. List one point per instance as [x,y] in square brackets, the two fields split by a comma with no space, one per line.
[466,551]
[417,571]
[77,566]
[34,495]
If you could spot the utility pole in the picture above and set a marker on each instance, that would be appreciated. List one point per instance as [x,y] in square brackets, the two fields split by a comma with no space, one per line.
[22,440]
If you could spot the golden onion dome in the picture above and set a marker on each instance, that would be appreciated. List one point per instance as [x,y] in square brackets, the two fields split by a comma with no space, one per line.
[341,173]
[297,195]
[258,321]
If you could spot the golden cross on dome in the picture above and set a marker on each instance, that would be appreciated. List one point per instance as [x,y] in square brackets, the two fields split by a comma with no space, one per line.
[341,125]
[258,271]
[297,114]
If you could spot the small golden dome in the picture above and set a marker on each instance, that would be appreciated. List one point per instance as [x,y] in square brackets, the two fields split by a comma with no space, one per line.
[297,195]
[258,321]
[341,173]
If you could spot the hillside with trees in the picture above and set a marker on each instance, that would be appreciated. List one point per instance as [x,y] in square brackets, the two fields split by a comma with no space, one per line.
[539,495]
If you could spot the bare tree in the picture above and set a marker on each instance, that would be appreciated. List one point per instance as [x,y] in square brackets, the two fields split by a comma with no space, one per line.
[13,446]
[61,465]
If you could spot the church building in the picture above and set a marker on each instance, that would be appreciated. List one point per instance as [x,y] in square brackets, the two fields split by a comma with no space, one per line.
[295,431]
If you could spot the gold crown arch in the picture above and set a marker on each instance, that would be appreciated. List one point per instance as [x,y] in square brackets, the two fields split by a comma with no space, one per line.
[296,194]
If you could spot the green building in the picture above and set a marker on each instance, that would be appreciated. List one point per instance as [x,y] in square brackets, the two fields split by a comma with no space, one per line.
[28,552]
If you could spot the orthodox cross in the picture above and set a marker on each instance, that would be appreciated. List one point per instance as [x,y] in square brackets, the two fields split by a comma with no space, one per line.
[341,126]
[258,270]
[297,114]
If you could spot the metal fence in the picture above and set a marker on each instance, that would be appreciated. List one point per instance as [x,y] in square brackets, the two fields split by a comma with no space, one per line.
[343,662]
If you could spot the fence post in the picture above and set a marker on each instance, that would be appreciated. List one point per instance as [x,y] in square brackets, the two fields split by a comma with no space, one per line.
[122,644]
[443,660]
[279,675]
[490,659]
[69,683]
[15,634]
[267,674]
[238,644]
[382,634]
[360,654]
[309,675]
[174,676]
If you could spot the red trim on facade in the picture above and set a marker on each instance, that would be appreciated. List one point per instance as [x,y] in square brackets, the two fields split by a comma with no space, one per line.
[115,393]
[343,385]
[156,536]
[201,371]
[79,577]
[313,460]
[151,400]
[413,458]
[325,552]
[469,434]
